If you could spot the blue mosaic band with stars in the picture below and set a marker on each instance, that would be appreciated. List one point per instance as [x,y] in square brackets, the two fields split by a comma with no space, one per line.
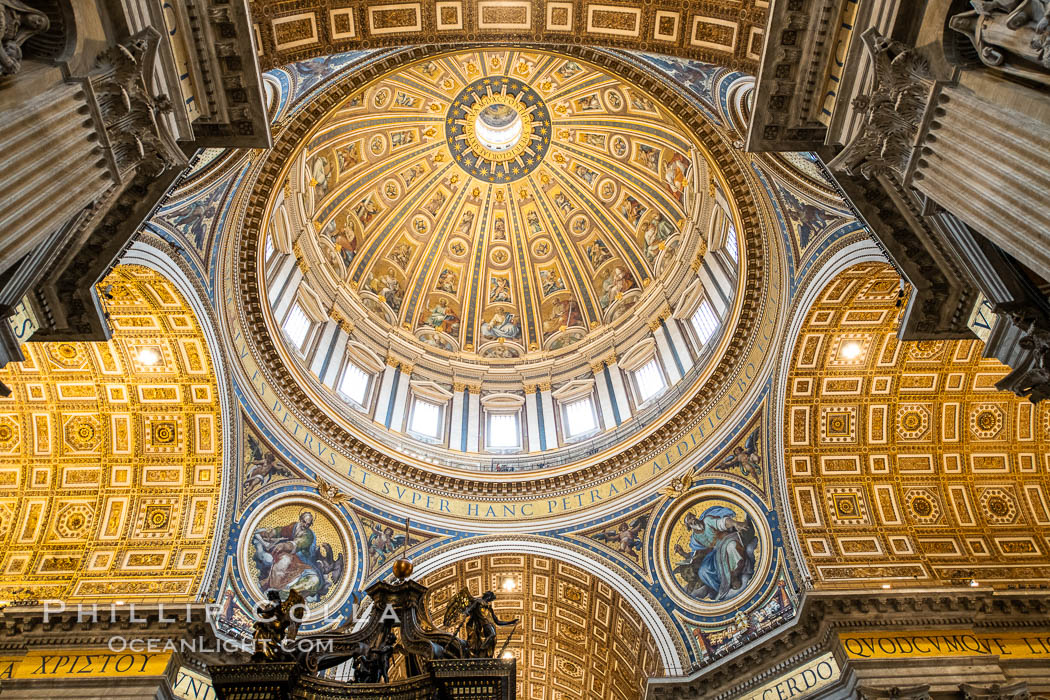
[480,167]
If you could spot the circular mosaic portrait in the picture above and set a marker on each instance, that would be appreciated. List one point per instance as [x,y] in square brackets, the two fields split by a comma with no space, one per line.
[714,551]
[298,544]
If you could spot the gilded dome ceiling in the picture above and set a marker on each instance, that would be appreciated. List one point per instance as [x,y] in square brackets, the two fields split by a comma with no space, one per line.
[431,279]
[496,203]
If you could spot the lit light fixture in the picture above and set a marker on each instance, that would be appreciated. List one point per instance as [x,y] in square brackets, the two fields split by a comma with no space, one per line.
[507,656]
[885,585]
[148,356]
[509,584]
[973,583]
[850,350]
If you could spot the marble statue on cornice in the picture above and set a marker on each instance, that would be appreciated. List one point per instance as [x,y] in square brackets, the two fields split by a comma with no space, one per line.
[1011,35]
[18,22]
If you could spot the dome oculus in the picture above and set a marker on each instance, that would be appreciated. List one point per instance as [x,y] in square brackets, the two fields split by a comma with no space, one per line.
[498,129]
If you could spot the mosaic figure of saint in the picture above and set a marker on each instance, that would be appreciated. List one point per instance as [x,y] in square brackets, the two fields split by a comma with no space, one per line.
[720,560]
[288,558]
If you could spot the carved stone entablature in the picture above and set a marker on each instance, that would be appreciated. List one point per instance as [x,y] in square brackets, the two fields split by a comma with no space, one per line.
[1012,36]
[235,112]
[18,23]
[1013,691]
[1030,376]
[130,111]
[65,299]
[942,294]
[798,47]
[825,614]
[56,625]
[893,111]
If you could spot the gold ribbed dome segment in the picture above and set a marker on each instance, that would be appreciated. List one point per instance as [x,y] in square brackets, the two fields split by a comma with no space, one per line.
[498,203]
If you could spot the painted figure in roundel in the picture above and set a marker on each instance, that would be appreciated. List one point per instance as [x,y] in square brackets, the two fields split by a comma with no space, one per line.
[289,556]
[713,550]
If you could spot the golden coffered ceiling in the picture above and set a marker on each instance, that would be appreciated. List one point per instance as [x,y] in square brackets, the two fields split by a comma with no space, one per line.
[578,639]
[497,250]
[111,469]
[729,33]
[904,465]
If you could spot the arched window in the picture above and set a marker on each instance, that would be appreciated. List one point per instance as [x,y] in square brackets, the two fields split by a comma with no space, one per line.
[649,380]
[732,245]
[354,384]
[297,327]
[503,425]
[704,322]
[270,249]
[426,418]
[580,416]
[503,430]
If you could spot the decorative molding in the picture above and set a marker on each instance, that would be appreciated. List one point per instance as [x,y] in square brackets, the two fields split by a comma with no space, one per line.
[322,27]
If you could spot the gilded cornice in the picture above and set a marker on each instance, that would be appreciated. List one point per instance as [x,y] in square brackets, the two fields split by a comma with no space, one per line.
[727,34]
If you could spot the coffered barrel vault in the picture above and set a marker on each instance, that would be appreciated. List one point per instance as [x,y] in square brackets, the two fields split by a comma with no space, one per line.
[904,464]
[577,638]
[111,455]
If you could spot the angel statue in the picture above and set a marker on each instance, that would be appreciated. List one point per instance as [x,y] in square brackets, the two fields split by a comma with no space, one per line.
[481,621]
[374,665]
[274,624]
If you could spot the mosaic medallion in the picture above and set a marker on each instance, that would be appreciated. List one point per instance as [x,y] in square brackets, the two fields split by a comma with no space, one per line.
[298,544]
[498,129]
[715,550]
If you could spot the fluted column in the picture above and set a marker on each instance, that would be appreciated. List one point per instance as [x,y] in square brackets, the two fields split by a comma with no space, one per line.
[717,284]
[990,166]
[618,391]
[329,373]
[457,439]
[610,417]
[384,406]
[400,398]
[51,167]
[322,348]
[669,356]
[549,429]
[532,419]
